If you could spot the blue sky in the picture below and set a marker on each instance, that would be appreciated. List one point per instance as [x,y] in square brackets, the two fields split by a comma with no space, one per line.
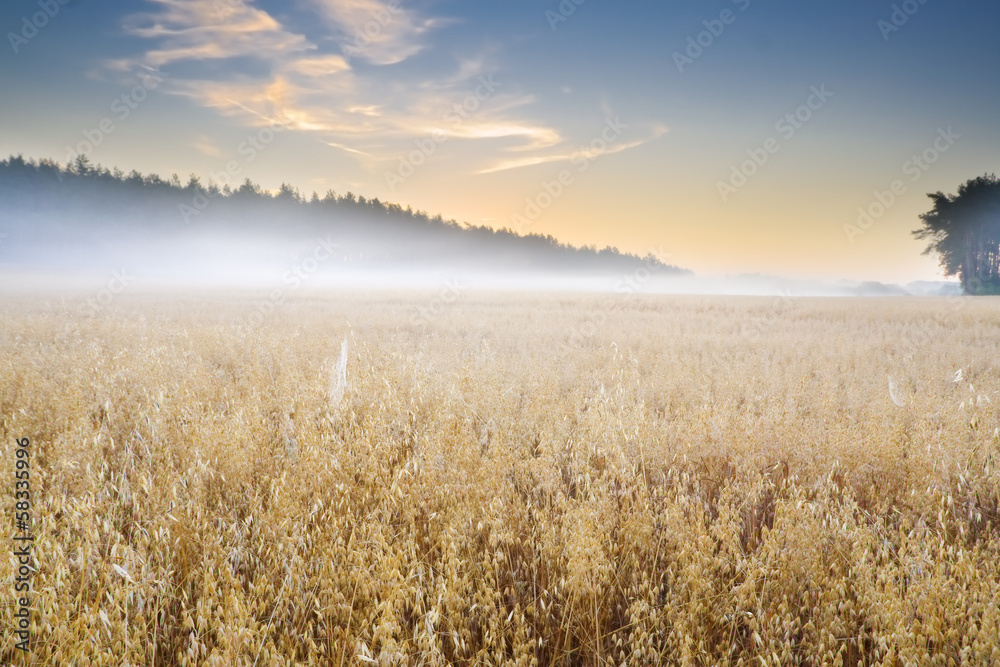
[650,155]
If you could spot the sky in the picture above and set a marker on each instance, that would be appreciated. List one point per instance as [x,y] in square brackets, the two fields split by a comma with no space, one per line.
[728,137]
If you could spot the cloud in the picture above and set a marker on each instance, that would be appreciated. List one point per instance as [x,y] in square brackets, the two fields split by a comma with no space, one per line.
[212,29]
[374,117]
[342,147]
[537,136]
[382,33]
[318,65]
[586,153]
[207,146]
[276,101]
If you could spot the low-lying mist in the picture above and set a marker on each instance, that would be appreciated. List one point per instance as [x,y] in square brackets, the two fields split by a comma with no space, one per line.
[87,227]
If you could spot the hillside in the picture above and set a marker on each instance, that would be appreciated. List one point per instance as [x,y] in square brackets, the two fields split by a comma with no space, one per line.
[85,216]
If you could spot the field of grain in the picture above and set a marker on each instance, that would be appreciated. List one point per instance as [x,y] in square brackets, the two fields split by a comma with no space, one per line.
[506,479]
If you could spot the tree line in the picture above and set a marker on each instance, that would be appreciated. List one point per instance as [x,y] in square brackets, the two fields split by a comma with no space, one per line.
[45,200]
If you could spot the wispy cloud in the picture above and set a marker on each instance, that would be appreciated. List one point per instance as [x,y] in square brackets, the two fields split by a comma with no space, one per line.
[348,149]
[378,32]
[374,117]
[536,136]
[212,29]
[316,66]
[207,146]
[588,153]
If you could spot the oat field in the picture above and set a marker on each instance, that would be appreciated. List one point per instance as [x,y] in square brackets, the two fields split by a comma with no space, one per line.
[510,480]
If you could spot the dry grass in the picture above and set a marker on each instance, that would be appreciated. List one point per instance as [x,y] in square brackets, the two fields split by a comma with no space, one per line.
[703,481]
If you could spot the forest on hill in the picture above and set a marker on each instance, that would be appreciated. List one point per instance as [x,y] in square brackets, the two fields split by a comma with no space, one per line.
[69,215]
